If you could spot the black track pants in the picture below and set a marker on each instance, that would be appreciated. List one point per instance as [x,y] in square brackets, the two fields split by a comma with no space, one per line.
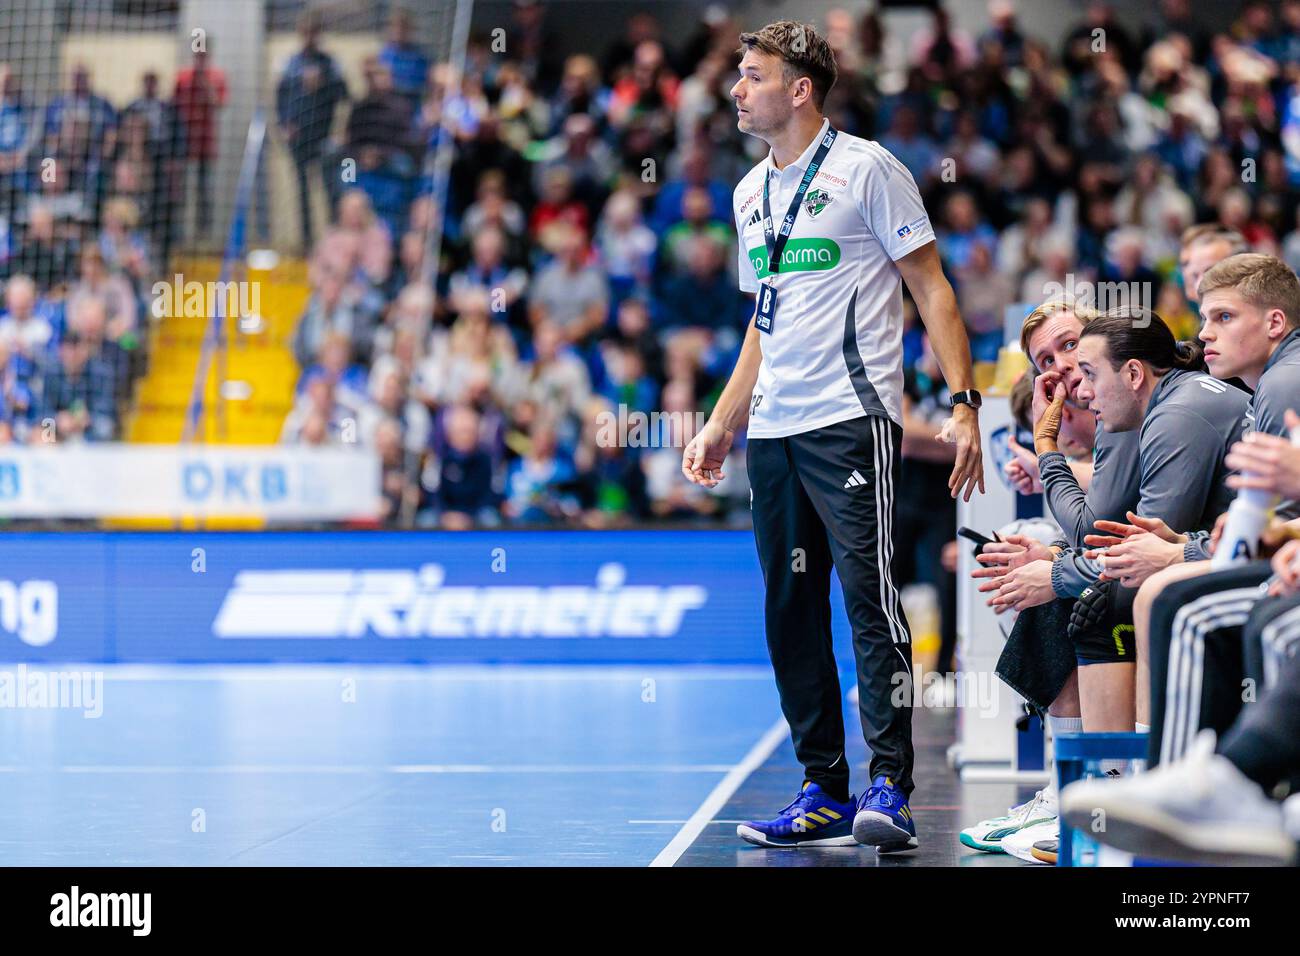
[825,498]
[1196,656]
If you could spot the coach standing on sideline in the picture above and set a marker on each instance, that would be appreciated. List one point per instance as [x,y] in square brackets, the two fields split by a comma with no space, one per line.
[828,223]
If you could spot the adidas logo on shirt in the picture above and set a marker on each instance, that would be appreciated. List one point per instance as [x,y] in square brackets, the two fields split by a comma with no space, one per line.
[855,480]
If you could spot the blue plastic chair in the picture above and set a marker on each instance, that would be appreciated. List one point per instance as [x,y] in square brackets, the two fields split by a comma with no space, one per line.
[1074,754]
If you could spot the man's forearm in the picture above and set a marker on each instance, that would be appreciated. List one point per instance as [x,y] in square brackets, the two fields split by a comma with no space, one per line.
[732,410]
[947,334]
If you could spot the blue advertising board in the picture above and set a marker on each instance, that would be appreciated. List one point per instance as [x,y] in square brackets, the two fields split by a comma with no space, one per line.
[489,596]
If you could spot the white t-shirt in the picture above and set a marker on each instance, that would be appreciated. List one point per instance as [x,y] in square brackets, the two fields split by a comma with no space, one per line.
[835,351]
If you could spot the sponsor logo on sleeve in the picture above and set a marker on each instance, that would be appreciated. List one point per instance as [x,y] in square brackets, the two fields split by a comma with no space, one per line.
[911,227]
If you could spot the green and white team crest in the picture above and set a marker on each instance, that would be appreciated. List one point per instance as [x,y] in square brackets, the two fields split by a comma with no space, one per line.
[816,201]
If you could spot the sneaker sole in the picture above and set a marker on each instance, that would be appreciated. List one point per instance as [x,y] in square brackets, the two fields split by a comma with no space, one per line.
[758,838]
[1026,856]
[871,828]
[986,847]
[1044,856]
[1146,831]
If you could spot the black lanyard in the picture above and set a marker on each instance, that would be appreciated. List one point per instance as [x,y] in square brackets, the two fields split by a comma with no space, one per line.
[776,244]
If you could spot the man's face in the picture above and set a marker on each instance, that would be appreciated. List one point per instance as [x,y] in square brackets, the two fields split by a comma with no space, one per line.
[1054,348]
[1078,431]
[1235,334]
[1109,393]
[1198,260]
[761,95]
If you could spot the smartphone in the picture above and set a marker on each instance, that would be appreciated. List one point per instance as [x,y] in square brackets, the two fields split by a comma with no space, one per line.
[978,538]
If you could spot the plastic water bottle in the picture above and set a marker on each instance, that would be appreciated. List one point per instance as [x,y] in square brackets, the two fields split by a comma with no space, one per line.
[1248,516]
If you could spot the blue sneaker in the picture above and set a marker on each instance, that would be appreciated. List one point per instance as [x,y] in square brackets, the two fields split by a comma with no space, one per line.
[883,819]
[811,819]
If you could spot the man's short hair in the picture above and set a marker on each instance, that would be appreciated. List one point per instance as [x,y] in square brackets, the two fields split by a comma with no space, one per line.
[1213,232]
[1266,282]
[803,53]
[1022,401]
[1034,320]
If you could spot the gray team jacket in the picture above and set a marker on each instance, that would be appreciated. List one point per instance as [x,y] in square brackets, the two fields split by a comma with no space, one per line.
[1279,389]
[1191,421]
[1112,492]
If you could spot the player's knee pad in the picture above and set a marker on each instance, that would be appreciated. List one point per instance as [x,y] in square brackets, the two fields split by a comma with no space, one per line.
[1101,625]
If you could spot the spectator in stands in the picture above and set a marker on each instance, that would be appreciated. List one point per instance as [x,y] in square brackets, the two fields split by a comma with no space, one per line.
[611,484]
[704,296]
[588,160]
[539,487]
[333,307]
[125,250]
[398,483]
[569,294]
[678,245]
[110,289]
[319,417]
[555,379]
[390,401]
[77,396]
[487,272]
[983,294]
[963,230]
[1204,246]
[405,60]
[17,405]
[165,148]
[80,129]
[695,174]
[334,362]
[44,255]
[467,492]
[362,240]
[19,133]
[493,207]
[379,139]
[306,96]
[22,329]
[557,206]
[88,318]
[1124,265]
[474,348]
[626,246]
[200,95]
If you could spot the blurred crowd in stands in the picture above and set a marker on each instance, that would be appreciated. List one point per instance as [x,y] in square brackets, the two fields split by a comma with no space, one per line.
[588,265]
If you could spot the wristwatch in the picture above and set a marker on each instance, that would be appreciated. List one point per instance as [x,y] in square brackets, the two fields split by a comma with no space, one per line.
[969,397]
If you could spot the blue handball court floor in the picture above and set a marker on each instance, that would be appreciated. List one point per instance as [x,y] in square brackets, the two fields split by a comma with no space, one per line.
[348,765]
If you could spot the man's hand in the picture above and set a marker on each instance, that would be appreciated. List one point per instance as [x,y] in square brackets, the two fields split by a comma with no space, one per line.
[1266,462]
[1022,469]
[1136,558]
[1015,551]
[1117,531]
[963,430]
[703,456]
[1220,523]
[1286,567]
[1025,587]
[1044,388]
[1047,426]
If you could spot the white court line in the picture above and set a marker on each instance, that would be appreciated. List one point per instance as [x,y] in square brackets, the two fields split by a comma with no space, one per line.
[390,768]
[432,672]
[723,792]
[718,821]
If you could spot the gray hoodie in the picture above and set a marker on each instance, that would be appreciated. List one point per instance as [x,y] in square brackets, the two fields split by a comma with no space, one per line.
[1279,389]
[1191,421]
